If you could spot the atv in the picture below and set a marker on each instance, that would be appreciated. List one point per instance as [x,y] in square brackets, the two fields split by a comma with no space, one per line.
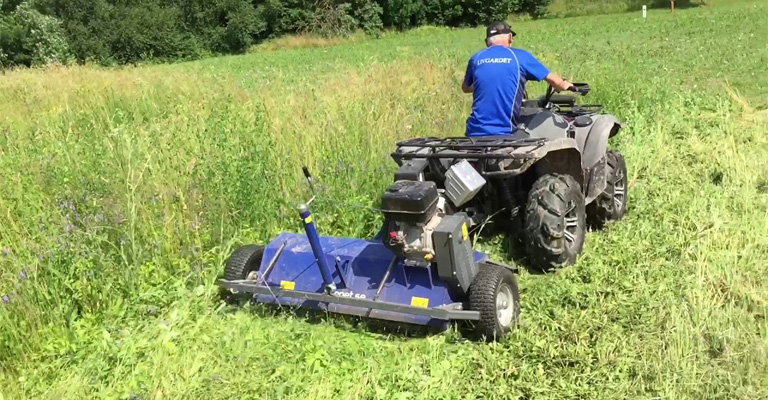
[544,184]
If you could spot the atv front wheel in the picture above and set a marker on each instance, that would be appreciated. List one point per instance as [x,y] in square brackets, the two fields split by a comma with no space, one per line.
[555,222]
[611,204]
[495,295]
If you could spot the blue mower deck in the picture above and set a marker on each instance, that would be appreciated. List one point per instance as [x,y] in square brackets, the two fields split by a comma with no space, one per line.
[369,281]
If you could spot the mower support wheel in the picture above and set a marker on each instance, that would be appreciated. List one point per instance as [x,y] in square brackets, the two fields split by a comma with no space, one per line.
[494,294]
[611,204]
[555,222]
[241,264]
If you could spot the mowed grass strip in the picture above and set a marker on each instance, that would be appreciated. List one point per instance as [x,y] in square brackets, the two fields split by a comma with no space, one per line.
[123,191]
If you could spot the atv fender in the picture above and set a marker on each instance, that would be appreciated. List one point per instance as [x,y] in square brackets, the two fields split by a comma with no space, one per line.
[557,156]
[596,141]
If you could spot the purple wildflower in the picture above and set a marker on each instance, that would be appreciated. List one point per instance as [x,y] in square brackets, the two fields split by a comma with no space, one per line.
[6,299]
[68,228]
[5,252]
[195,224]
[121,241]
[23,274]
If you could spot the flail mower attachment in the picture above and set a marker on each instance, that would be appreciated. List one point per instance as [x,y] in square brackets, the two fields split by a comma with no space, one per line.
[420,269]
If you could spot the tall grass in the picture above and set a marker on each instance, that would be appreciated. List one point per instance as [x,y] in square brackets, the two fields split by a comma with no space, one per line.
[122,192]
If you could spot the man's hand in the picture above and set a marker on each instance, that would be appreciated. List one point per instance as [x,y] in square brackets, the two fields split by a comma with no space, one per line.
[557,82]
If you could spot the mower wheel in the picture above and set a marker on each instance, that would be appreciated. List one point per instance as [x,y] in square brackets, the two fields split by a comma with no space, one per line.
[555,222]
[495,295]
[611,204]
[243,261]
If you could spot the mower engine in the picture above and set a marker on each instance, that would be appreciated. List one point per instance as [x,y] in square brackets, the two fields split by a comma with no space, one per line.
[412,211]
[420,229]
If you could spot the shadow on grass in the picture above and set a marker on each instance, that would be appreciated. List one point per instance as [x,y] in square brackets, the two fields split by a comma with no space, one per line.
[511,246]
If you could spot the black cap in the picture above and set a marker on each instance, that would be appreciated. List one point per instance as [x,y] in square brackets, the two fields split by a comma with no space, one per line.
[498,28]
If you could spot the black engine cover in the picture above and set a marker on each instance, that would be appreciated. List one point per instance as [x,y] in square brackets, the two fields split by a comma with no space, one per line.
[410,201]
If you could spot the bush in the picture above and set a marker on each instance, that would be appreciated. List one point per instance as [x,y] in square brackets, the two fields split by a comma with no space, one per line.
[30,38]
[130,31]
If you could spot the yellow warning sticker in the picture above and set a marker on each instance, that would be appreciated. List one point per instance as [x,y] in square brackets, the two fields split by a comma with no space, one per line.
[419,302]
[287,285]
[464,231]
[308,219]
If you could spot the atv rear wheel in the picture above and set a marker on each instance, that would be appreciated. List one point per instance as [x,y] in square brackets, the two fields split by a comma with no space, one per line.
[494,294]
[611,204]
[555,222]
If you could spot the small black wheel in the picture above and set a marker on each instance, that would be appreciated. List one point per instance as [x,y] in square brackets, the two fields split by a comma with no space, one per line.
[495,295]
[611,204]
[243,261]
[555,222]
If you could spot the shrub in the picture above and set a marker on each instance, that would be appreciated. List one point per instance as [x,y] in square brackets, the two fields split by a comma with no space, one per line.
[129,31]
[30,38]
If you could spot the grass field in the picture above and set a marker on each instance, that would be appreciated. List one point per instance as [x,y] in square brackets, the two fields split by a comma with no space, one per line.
[123,191]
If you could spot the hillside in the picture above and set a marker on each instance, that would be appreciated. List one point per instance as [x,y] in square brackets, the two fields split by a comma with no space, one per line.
[122,192]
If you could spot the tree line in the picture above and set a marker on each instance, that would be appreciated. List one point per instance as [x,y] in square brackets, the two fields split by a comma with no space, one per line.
[111,32]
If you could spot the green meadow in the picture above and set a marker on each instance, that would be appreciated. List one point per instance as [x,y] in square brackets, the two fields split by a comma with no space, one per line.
[123,191]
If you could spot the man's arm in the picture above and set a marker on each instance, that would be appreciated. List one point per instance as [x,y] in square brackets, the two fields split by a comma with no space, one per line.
[468,86]
[467,89]
[535,70]
[557,82]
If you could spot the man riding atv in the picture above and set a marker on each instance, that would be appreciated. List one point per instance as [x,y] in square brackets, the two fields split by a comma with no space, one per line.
[540,168]
[496,77]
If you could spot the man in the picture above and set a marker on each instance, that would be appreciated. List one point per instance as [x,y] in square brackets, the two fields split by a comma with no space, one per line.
[496,77]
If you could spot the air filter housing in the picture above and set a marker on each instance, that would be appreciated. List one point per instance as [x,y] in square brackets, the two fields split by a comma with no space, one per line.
[462,183]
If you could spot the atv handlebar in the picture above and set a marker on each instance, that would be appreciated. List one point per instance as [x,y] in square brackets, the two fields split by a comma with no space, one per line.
[581,88]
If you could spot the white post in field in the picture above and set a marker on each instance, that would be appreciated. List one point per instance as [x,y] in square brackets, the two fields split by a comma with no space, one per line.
[645,12]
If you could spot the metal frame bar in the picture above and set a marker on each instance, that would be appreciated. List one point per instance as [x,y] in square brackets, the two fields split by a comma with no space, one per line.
[440,313]
[463,143]
[477,156]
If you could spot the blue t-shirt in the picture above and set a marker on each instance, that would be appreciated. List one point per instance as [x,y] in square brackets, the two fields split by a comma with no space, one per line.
[499,74]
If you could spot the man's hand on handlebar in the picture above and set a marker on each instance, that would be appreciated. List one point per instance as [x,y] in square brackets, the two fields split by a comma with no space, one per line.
[558,83]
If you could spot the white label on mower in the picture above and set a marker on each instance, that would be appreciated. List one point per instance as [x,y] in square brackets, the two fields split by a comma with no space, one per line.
[349,294]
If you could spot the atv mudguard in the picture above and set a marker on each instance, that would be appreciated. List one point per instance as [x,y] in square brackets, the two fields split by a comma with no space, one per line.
[594,143]
[590,143]
[554,156]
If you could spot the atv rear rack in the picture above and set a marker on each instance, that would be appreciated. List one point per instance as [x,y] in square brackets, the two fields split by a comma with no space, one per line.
[485,147]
